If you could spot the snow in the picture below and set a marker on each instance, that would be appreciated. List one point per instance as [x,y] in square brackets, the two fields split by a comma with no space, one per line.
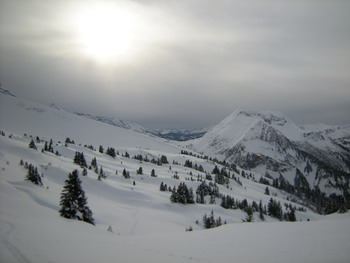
[40,120]
[146,226]
[276,139]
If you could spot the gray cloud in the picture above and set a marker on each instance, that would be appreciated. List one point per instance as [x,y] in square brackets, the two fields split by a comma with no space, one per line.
[201,60]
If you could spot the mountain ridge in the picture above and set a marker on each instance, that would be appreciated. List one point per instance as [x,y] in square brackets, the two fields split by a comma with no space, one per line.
[269,142]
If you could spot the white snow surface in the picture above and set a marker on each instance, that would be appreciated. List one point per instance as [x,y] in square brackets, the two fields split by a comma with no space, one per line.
[146,226]
[23,116]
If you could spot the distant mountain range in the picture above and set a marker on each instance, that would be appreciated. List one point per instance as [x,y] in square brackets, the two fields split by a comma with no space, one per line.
[115,122]
[175,134]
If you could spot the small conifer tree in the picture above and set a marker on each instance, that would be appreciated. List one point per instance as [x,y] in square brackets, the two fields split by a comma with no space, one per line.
[32,145]
[73,200]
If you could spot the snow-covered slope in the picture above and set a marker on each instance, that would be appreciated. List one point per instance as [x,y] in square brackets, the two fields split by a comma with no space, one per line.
[23,116]
[270,142]
[146,225]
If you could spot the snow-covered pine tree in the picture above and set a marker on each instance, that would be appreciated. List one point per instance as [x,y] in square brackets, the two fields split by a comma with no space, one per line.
[73,200]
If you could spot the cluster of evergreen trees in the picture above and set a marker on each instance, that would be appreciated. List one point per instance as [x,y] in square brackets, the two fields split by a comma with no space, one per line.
[159,161]
[205,189]
[221,176]
[274,209]
[79,159]
[32,173]
[126,174]
[182,194]
[73,200]
[209,221]
[69,141]
[312,198]
[111,152]
[48,148]
[164,187]
[184,152]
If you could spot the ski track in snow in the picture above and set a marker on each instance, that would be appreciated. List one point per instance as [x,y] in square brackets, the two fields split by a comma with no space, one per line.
[6,230]
[134,216]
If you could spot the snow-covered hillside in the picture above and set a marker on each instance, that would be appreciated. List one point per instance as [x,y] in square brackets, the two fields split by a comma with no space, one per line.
[269,142]
[22,116]
[145,224]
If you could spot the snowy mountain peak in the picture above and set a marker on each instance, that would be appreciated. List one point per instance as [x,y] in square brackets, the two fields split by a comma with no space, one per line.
[269,141]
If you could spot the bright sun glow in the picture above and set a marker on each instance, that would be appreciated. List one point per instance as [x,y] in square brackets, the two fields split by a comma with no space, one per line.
[104,33]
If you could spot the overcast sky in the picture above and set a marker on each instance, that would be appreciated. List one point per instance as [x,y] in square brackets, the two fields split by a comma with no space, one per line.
[183,63]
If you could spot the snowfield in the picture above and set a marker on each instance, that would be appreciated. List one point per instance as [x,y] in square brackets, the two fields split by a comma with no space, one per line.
[146,226]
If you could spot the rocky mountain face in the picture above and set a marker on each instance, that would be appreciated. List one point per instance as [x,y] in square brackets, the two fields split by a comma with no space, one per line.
[316,157]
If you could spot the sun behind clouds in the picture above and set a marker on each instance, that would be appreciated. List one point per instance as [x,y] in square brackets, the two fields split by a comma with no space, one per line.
[106,33]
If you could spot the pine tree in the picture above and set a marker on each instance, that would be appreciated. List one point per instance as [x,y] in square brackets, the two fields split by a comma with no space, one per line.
[249,217]
[174,195]
[32,145]
[101,174]
[261,211]
[50,149]
[292,216]
[73,201]
[267,191]
[94,162]
[100,149]
[46,147]
[153,173]
[126,174]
